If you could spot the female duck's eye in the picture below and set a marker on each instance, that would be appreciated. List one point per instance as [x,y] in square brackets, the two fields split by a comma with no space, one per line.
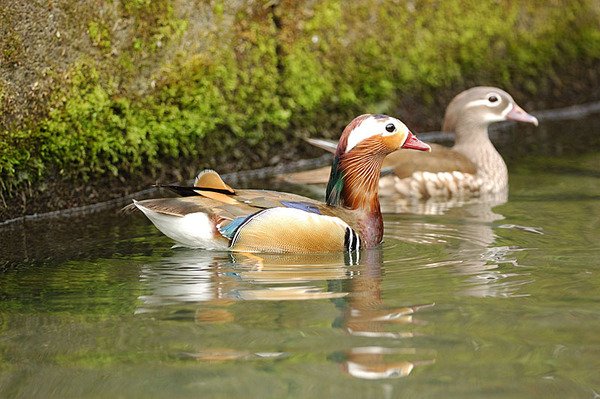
[492,98]
[390,127]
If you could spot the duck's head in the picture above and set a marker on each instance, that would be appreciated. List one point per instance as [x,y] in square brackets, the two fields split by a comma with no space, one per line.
[360,152]
[376,135]
[481,106]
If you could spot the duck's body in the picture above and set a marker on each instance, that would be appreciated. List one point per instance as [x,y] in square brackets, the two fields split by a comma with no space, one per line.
[252,221]
[212,215]
[471,168]
[451,173]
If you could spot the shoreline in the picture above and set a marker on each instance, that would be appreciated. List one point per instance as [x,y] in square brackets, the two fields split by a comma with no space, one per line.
[578,111]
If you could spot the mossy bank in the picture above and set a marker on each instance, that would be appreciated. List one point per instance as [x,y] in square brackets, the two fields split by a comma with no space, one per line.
[97,100]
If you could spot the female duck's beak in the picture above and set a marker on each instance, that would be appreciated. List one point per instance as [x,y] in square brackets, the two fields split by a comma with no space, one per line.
[413,143]
[518,114]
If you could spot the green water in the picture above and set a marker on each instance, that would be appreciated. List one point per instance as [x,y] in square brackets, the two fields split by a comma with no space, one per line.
[477,302]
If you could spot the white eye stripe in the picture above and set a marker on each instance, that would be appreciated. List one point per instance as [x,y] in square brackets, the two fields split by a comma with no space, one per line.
[485,101]
[507,110]
[492,116]
[493,94]
[372,127]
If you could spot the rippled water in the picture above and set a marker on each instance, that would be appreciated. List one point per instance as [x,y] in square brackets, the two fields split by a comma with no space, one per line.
[483,300]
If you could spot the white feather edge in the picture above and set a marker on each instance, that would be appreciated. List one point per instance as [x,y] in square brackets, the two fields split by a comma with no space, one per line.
[194,230]
[324,144]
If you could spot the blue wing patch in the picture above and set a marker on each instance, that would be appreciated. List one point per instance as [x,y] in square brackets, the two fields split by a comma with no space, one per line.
[232,227]
[229,230]
[303,206]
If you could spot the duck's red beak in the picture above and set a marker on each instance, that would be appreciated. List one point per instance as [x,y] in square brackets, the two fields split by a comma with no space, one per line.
[413,143]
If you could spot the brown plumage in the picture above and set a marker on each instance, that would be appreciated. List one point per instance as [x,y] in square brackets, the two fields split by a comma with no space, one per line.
[212,215]
[473,167]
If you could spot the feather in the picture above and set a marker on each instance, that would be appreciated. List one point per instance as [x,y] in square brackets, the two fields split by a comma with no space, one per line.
[290,230]
[231,228]
[335,186]
[195,230]
[302,206]
[327,145]
[183,191]
[208,179]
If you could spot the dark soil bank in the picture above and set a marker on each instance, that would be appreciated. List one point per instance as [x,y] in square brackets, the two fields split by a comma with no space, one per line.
[97,101]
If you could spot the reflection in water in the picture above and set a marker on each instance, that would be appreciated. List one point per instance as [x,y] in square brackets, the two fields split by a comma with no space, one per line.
[470,242]
[365,315]
[198,275]
[215,281]
[433,206]
[226,354]
[219,279]
[186,276]
[69,289]
[371,363]
[475,257]
[272,274]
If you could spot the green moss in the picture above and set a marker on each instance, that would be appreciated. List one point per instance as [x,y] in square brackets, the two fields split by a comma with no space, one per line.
[99,35]
[273,68]
[12,48]
[154,23]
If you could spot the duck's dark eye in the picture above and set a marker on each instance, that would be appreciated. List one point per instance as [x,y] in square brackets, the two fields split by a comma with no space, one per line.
[492,98]
[390,127]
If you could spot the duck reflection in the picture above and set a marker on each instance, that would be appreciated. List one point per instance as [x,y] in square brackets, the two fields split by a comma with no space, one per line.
[292,276]
[434,206]
[466,230]
[372,363]
[193,276]
[364,314]
[351,281]
[185,276]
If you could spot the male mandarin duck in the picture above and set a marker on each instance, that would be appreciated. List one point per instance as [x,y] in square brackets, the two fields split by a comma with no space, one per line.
[212,215]
[472,167]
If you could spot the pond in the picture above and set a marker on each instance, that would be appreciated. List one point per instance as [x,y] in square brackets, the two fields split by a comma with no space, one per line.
[476,300]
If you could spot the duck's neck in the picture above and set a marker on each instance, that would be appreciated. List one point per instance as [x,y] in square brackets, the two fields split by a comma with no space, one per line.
[472,140]
[354,184]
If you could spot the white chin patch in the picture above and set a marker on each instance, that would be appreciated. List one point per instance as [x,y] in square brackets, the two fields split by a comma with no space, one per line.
[374,126]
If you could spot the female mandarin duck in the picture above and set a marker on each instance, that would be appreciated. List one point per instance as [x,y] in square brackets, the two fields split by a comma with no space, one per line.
[212,215]
[473,167]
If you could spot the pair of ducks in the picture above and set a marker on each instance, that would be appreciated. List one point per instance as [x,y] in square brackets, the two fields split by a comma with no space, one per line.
[214,216]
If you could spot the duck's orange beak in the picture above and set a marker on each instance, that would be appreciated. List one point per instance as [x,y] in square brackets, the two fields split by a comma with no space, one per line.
[413,143]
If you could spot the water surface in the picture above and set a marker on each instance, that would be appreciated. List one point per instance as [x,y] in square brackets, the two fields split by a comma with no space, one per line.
[476,300]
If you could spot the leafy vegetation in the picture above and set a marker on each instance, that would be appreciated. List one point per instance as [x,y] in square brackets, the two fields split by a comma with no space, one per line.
[258,76]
